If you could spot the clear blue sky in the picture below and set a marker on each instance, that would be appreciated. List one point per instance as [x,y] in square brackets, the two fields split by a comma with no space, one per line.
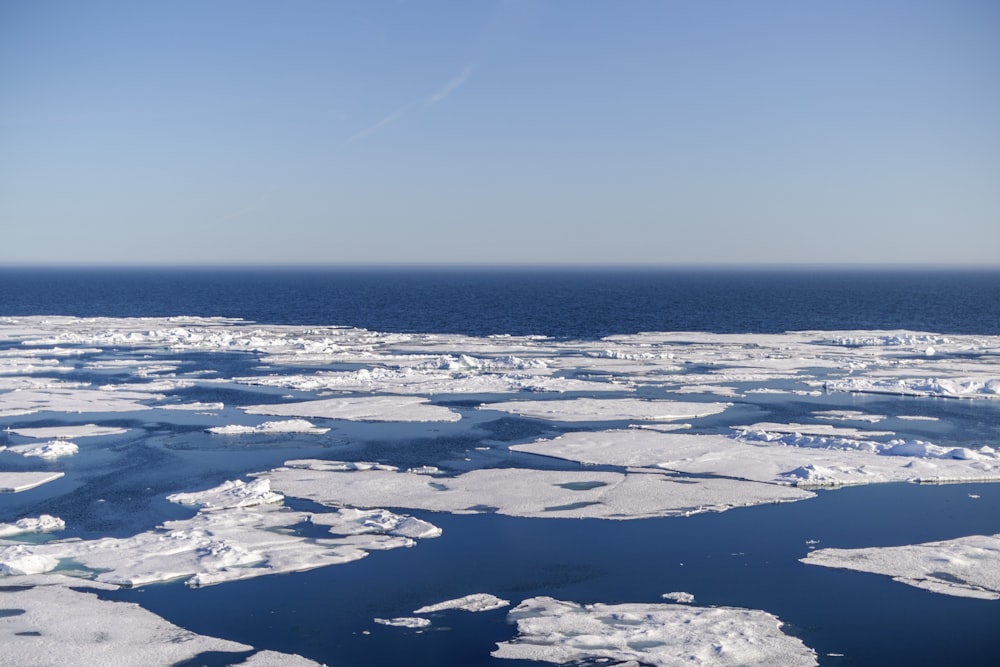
[676,131]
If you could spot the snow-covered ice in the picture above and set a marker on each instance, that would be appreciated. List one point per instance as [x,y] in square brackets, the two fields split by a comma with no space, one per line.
[240,532]
[49,450]
[15,482]
[69,431]
[404,622]
[284,426]
[44,523]
[778,459]
[55,624]
[679,596]
[592,409]
[361,408]
[965,567]
[562,632]
[524,492]
[474,602]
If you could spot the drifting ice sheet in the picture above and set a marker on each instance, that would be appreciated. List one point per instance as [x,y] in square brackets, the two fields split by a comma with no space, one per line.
[49,451]
[820,462]
[593,409]
[965,567]
[15,482]
[524,492]
[58,625]
[61,432]
[362,408]
[240,533]
[286,426]
[650,634]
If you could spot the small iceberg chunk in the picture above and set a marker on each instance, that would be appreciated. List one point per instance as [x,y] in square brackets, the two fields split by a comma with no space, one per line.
[475,602]
[45,523]
[285,426]
[50,450]
[403,622]
[679,596]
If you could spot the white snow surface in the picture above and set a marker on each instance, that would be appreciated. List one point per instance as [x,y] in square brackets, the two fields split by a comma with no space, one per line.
[475,602]
[777,459]
[560,632]
[523,492]
[679,596]
[593,409]
[362,408]
[404,622]
[45,523]
[69,431]
[964,567]
[72,399]
[63,626]
[240,533]
[284,426]
[229,495]
[49,450]
[15,482]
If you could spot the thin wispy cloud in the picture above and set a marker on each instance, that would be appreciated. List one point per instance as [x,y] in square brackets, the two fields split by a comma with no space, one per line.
[439,95]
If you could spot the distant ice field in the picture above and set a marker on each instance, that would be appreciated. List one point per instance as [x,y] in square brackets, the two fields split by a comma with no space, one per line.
[360,490]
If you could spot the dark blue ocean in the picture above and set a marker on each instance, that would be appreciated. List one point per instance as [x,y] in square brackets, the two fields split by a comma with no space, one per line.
[746,557]
[563,303]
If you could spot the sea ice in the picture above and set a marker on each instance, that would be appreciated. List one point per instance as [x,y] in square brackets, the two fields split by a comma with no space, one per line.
[231,494]
[987,386]
[362,408]
[69,431]
[827,462]
[15,482]
[285,426]
[475,602]
[965,567]
[67,399]
[524,492]
[679,596]
[351,521]
[49,450]
[45,523]
[561,632]
[404,622]
[55,624]
[593,409]
[240,532]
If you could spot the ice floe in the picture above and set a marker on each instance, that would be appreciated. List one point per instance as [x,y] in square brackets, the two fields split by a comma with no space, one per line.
[49,450]
[15,482]
[361,408]
[69,431]
[561,632]
[475,602]
[959,387]
[593,409]
[404,622]
[71,399]
[965,567]
[679,596]
[285,426]
[44,523]
[775,458]
[53,624]
[241,531]
[524,492]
